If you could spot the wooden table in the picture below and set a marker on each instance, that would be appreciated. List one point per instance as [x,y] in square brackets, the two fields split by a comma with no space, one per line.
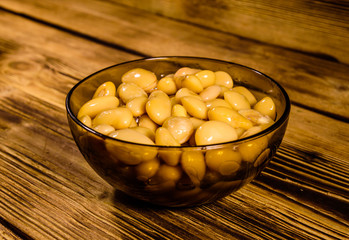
[47,189]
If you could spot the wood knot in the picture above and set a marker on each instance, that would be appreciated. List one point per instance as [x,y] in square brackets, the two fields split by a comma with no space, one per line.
[21,65]
[21,69]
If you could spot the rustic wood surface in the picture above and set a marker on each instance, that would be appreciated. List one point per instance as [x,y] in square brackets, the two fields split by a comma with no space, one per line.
[48,191]
[320,26]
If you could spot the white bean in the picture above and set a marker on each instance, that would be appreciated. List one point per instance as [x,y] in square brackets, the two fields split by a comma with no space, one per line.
[143,78]
[206,77]
[158,107]
[97,105]
[230,116]
[105,89]
[224,79]
[247,94]
[236,100]
[266,106]
[193,164]
[210,93]
[226,161]
[167,85]
[195,107]
[192,83]
[213,132]
[129,91]
[181,128]
[104,129]
[251,149]
[119,118]
[147,169]
[145,121]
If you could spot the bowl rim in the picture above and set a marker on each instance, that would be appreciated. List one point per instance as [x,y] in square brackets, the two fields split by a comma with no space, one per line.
[284,117]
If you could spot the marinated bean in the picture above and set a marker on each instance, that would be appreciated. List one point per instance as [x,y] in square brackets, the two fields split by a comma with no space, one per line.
[196,122]
[170,156]
[210,93]
[145,121]
[137,106]
[105,89]
[195,96]
[213,132]
[158,107]
[185,92]
[185,71]
[236,100]
[104,129]
[129,91]
[262,158]
[167,85]
[97,105]
[119,118]
[193,164]
[133,123]
[256,117]
[251,150]
[266,125]
[168,173]
[224,79]
[223,90]
[195,107]
[147,169]
[86,120]
[181,73]
[163,137]
[179,111]
[159,94]
[181,128]
[226,161]
[130,155]
[240,131]
[246,93]
[252,131]
[206,77]
[145,131]
[230,116]
[143,78]
[131,135]
[217,103]
[174,100]
[266,106]
[192,83]
[178,81]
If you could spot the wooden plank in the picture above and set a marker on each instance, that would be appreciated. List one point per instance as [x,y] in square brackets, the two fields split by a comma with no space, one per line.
[53,194]
[317,27]
[83,206]
[37,65]
[325,91]
[82,194]
[7,234]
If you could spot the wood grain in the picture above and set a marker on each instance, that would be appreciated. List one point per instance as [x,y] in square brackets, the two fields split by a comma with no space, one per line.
[317,27]
[7,234]
[48,191]
[325,91]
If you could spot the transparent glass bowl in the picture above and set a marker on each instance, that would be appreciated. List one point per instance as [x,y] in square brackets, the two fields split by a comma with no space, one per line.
[118,162]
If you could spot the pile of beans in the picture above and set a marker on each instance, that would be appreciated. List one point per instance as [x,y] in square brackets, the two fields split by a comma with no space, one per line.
[191,107]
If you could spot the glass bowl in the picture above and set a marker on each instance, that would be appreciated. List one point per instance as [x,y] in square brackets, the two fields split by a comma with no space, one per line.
[120,162]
